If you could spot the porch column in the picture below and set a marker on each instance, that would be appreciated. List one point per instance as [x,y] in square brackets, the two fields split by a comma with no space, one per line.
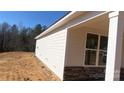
[114,51]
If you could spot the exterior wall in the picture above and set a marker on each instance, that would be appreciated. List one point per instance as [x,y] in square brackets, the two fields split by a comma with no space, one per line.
[75,42]
[54,51]
[76,45]
[51,50]
[122,63]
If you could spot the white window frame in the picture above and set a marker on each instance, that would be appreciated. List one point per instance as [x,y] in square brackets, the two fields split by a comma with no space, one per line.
[97,50]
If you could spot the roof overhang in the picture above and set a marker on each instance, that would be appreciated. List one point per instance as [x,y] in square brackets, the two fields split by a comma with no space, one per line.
[61,22]
[72,15]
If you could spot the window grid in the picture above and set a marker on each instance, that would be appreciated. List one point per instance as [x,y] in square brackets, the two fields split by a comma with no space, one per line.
[98,50]
[97,55]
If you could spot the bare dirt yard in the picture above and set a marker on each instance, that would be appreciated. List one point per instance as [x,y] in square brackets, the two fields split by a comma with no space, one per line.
[24,66]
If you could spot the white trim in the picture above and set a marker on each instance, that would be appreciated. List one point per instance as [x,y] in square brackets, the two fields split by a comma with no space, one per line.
[85,35]
[114,14]
[94,66]
[114,50]
[91,49]
[97,52]
[65,51]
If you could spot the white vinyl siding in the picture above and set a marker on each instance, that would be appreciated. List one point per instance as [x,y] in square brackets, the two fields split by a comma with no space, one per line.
[75,55]
[52,45]
[51,50]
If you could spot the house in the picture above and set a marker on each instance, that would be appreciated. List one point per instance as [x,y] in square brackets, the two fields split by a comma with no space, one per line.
[84,45]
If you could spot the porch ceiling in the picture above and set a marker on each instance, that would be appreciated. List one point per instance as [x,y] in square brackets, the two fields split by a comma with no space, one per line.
[100,23]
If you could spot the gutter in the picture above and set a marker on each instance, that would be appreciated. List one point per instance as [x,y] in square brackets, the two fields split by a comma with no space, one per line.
[55,25]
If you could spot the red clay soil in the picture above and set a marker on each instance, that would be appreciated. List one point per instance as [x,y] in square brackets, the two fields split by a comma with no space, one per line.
[24,66]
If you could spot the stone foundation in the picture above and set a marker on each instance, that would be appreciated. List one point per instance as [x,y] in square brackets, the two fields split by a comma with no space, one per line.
[84,73]
[87,74]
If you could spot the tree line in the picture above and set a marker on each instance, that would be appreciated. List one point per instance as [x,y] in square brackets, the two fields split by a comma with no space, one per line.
[18,38]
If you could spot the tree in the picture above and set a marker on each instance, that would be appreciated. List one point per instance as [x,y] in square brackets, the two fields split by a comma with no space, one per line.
[37,30]
[4,36]
[14,38]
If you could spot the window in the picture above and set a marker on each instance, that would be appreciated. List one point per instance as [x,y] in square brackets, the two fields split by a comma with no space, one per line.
[103,43]
[90,57]
[92,41]
[103,50]
[96,50]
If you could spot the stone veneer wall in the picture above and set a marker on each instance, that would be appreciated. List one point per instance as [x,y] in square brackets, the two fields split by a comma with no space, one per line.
[84,73]
[87,74]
